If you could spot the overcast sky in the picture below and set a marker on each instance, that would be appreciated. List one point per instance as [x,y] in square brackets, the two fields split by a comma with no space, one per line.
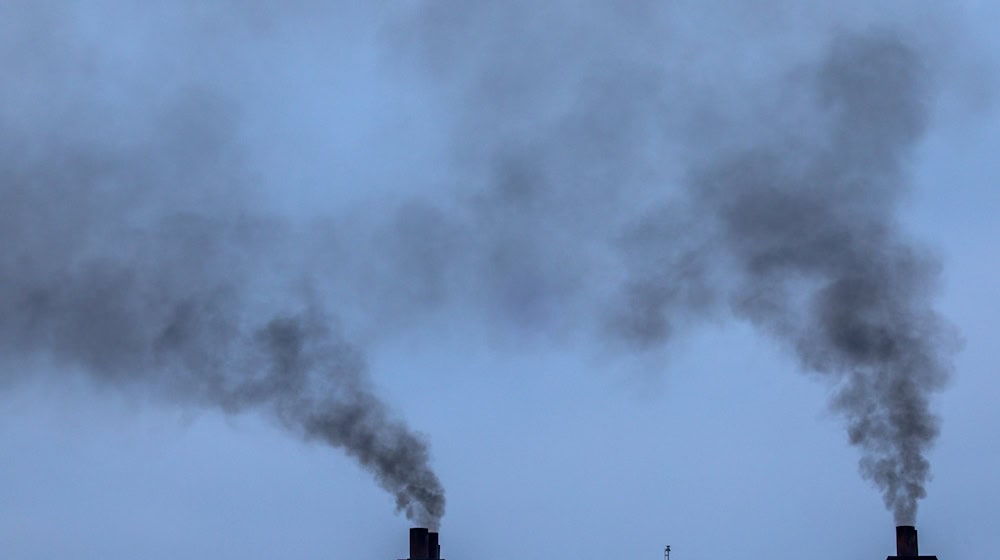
[515,232]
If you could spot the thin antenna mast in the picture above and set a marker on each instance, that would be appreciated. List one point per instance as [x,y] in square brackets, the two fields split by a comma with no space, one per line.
[666,553]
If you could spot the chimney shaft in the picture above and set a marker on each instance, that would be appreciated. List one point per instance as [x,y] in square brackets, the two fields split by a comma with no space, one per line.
[906,541]
[419,545]
[433,548]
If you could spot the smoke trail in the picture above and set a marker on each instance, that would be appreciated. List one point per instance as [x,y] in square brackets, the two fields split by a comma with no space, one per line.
[825,268]
[803,228]
[148,268]
[791,218]
[603,179]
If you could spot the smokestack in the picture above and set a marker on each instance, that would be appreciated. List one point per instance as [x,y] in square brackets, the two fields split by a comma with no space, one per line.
[906,541]
[433,548]
[906,544]
[424,544]
[419,544]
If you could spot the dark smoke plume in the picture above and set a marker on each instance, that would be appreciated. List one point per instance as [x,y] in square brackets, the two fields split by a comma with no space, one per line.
[147,268]
[617,171]
[790,217]
[804,227]
[823,266]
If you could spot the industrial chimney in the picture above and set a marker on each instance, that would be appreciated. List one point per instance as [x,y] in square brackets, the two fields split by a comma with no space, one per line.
[424,544]
[906,545]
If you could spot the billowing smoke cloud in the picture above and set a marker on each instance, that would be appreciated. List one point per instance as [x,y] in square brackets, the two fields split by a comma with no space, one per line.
[617,172]
[779,206]
[146,263]
[823,266]
[165,305]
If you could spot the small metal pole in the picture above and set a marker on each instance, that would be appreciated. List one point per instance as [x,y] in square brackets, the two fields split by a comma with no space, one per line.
[666,553]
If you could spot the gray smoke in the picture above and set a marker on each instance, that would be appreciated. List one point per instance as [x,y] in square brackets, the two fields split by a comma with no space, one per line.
[823,266]
[612,174]
[146,263]
[166,306]
[780,205]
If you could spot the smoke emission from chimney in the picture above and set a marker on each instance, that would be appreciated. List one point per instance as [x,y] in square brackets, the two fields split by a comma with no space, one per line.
[787,220]
[603,187]
[166,307]
[146,262]
[823,266]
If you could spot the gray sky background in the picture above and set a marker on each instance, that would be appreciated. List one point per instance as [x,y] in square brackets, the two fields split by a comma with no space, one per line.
[370,135]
